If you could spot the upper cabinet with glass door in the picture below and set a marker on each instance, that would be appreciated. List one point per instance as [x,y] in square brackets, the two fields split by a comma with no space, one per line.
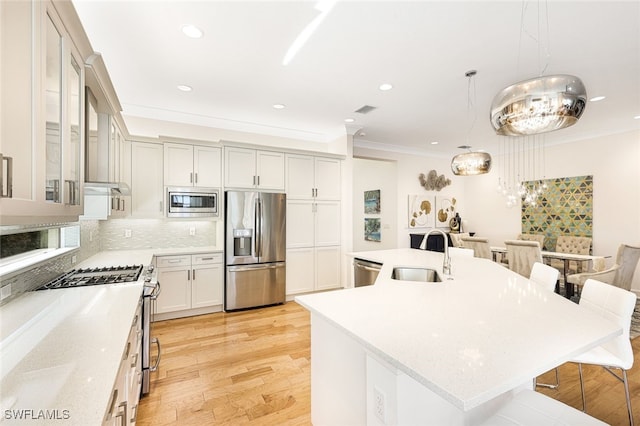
[42,116]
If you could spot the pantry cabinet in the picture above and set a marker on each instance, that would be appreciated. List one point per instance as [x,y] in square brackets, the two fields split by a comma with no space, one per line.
[313,245]
[192,165]
[253,169]
[42,112]
[311,177]
[190,283]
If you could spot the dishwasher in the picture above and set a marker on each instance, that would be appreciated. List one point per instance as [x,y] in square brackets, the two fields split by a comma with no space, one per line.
[365,272]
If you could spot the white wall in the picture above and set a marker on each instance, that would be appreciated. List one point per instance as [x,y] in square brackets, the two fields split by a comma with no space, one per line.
[408,167]
[614,162]
[371,175]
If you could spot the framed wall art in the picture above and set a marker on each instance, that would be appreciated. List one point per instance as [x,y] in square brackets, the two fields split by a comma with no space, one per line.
[421,211]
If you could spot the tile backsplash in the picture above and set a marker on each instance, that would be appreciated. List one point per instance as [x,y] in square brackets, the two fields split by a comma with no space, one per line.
[133,234]
[116,234]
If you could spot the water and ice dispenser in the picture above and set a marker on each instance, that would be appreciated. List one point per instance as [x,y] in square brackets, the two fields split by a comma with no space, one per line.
[242,242]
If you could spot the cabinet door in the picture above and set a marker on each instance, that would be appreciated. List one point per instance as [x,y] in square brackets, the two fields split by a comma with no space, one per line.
[327,261]
[53,112]
[300,270]
[300,223]
[206,285]
[270,170]
[176,290]
[240,167]
[17,80]
[146,180]
[300,176]
[327,223]
[178,164]
[328,183]
[207,166]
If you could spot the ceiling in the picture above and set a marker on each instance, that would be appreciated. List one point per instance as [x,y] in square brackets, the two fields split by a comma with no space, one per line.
[422,48]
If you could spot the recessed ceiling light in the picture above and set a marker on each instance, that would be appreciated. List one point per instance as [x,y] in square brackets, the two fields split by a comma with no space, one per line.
[435,143]
[192,31]
[597,98]
[349,120]
[637,117]
[184,88]
[278,106]
[385,86]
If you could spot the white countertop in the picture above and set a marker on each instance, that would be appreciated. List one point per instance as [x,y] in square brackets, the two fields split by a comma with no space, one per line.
[139,257]
[61,350]
[470,338]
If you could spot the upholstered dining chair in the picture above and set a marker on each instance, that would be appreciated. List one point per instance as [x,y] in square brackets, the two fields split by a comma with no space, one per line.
[533,237]
[619,275]
[521,255]
[614,304]
[480,246]
[571,244]
[456,238]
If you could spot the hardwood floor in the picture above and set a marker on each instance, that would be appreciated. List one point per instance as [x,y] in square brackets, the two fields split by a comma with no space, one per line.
[253,367]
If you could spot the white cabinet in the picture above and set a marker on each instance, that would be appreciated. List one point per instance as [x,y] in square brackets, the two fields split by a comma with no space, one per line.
[313,245]
[311,177]
[250,168]
[41,111]
[147,191]
[189,282]
[122,408]
[192,165]
[313,269]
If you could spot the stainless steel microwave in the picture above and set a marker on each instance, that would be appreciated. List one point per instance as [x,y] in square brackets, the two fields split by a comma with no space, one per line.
[192,202]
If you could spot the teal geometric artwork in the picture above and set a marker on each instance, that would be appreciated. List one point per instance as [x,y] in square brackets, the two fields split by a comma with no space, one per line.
[564,208]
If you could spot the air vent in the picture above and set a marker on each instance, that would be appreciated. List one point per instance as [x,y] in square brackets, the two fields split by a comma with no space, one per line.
[365,109]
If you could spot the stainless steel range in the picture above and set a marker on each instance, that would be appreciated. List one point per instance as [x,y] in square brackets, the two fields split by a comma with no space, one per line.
[95,276]
[118,275]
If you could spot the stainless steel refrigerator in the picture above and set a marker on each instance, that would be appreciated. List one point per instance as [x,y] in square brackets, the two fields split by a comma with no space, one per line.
[255,236]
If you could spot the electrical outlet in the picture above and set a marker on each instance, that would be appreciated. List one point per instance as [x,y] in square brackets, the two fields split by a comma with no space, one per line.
[192,231]
[74,259]
[127,233]
[5,292]
[379,404]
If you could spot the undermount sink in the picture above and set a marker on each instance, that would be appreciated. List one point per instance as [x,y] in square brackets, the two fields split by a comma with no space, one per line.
[416,274]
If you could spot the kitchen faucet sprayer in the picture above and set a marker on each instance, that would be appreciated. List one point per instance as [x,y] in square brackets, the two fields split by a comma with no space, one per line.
[446,264]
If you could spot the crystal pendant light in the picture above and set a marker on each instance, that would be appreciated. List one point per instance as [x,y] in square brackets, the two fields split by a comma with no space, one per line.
[538,105]
[473,162]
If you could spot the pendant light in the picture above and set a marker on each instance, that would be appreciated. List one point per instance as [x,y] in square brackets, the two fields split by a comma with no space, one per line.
[542,104]
[538,105]
[473,162]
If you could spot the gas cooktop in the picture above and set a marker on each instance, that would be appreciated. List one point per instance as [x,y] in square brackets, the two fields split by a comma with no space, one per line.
[95,276]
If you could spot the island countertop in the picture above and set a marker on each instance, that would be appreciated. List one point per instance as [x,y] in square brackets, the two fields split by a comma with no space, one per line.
[480,332]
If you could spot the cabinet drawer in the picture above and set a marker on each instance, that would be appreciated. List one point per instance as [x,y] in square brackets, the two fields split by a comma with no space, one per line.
[206,258]
[169,261]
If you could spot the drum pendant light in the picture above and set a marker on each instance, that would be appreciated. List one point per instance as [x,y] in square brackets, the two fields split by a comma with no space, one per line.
[473,162]
[538,105]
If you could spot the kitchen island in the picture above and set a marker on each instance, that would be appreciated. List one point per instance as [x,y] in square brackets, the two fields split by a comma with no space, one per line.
[450,352]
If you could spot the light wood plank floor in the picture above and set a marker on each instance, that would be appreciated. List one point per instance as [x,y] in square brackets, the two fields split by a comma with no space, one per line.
[253,367]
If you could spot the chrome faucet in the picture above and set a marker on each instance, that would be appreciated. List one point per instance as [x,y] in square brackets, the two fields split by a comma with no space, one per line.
[446,264]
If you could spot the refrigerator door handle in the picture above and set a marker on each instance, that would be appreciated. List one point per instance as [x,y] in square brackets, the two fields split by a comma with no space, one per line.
[258,228]
[245,268]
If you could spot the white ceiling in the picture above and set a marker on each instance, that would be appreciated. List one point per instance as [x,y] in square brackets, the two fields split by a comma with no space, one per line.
[422,48]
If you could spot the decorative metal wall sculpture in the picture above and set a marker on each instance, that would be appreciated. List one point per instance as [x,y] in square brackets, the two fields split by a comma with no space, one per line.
[433,182]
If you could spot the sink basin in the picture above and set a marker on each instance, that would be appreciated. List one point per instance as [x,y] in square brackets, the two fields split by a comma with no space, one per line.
[416,274]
